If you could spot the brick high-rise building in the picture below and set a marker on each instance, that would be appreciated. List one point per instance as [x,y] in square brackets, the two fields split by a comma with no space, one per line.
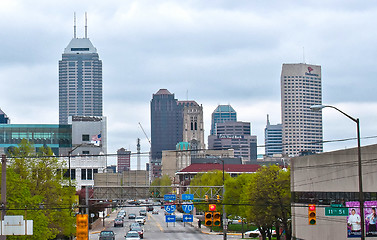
[124,160]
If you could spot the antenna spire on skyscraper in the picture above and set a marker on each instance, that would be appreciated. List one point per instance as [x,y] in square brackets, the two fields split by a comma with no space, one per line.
[74,25]
[86,26]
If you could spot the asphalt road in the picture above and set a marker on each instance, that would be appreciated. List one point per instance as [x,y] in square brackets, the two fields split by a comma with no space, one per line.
[156,228]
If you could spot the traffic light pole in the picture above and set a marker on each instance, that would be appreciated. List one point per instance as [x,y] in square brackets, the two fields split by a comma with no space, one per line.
[225,225]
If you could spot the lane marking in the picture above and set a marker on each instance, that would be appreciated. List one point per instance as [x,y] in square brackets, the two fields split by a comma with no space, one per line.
[158,224]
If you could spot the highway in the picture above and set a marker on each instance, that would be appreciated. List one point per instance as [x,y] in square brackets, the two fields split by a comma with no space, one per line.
[156,227]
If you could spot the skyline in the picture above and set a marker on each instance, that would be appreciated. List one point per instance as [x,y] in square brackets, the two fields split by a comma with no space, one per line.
[223,53]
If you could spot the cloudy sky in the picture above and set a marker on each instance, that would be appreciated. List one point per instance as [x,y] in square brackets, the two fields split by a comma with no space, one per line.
[214,52]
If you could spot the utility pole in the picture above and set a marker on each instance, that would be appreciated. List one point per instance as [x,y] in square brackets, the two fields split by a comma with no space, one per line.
[3,190]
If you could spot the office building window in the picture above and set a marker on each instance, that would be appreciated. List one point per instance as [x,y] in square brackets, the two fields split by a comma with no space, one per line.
[85,137]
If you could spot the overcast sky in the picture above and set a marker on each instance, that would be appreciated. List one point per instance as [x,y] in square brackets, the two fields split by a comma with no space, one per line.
[213,52]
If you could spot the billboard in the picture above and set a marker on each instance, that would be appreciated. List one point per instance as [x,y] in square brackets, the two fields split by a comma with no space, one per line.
[354,219]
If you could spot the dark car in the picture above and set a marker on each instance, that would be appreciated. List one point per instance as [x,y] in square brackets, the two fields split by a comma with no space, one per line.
[150,208]
[118,222]
[143,213]
[107,235]
[131,216]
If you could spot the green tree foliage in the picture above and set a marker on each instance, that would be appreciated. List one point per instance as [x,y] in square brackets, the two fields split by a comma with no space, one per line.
[268,199]
[212,178]
[35,190]
[164,180]
[234,191]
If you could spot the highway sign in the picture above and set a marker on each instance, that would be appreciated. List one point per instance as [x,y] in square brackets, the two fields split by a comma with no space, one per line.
[186,197]
[170,208]
[188,218]
[169,218]
[187,208]
[168,197]
[336,211]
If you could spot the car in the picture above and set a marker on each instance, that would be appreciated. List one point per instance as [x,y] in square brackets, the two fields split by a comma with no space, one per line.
[143,213]
[107,235]
[131,216]
[149,208]
[139,230]
[118,222]
[140,219]
[134,224]
[256,233]
[155,211]
[132,235]
[179,218]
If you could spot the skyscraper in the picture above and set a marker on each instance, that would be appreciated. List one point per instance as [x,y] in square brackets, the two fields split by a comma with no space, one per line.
[166,127]
[301,87]
[223,113]
[273,139]
[80,80]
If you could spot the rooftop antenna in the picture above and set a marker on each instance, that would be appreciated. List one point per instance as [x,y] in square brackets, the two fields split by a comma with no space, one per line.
[74,25]
[86,26]
[303,54]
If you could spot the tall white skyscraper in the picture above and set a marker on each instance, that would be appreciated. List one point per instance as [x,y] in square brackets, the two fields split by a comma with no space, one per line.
[301,87]
[80,80]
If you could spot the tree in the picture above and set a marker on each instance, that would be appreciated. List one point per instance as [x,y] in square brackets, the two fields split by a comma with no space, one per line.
[164,180]
[35,189]
[268,199]
[234,190]
[212,178]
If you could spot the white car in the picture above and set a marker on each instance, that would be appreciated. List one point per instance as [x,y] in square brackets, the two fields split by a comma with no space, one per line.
[132,235]
[140,219]
[256,233]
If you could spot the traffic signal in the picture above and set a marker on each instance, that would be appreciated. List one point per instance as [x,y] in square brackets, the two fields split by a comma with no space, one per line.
[82,226]
[206,197]
[212,207]
[208,219]
[218,198]
[216,219]
[312,214]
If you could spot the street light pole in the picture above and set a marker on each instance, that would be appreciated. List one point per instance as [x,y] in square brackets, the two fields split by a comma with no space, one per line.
[224,213]
[360,175]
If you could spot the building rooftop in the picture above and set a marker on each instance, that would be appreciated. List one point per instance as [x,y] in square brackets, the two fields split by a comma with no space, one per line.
[162,92]
[230,168]
[80,45]
[224,108]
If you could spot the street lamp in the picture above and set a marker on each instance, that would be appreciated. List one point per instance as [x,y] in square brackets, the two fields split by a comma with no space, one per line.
[361,194]
[224,214]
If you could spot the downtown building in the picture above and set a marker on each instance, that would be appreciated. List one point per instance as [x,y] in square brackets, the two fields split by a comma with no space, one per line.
[173,122]
[301,87]
[236,136]
[273,140]
[223,113]
[123,160]
[80,80]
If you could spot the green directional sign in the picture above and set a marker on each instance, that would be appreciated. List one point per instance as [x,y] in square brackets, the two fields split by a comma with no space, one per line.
[329,211]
